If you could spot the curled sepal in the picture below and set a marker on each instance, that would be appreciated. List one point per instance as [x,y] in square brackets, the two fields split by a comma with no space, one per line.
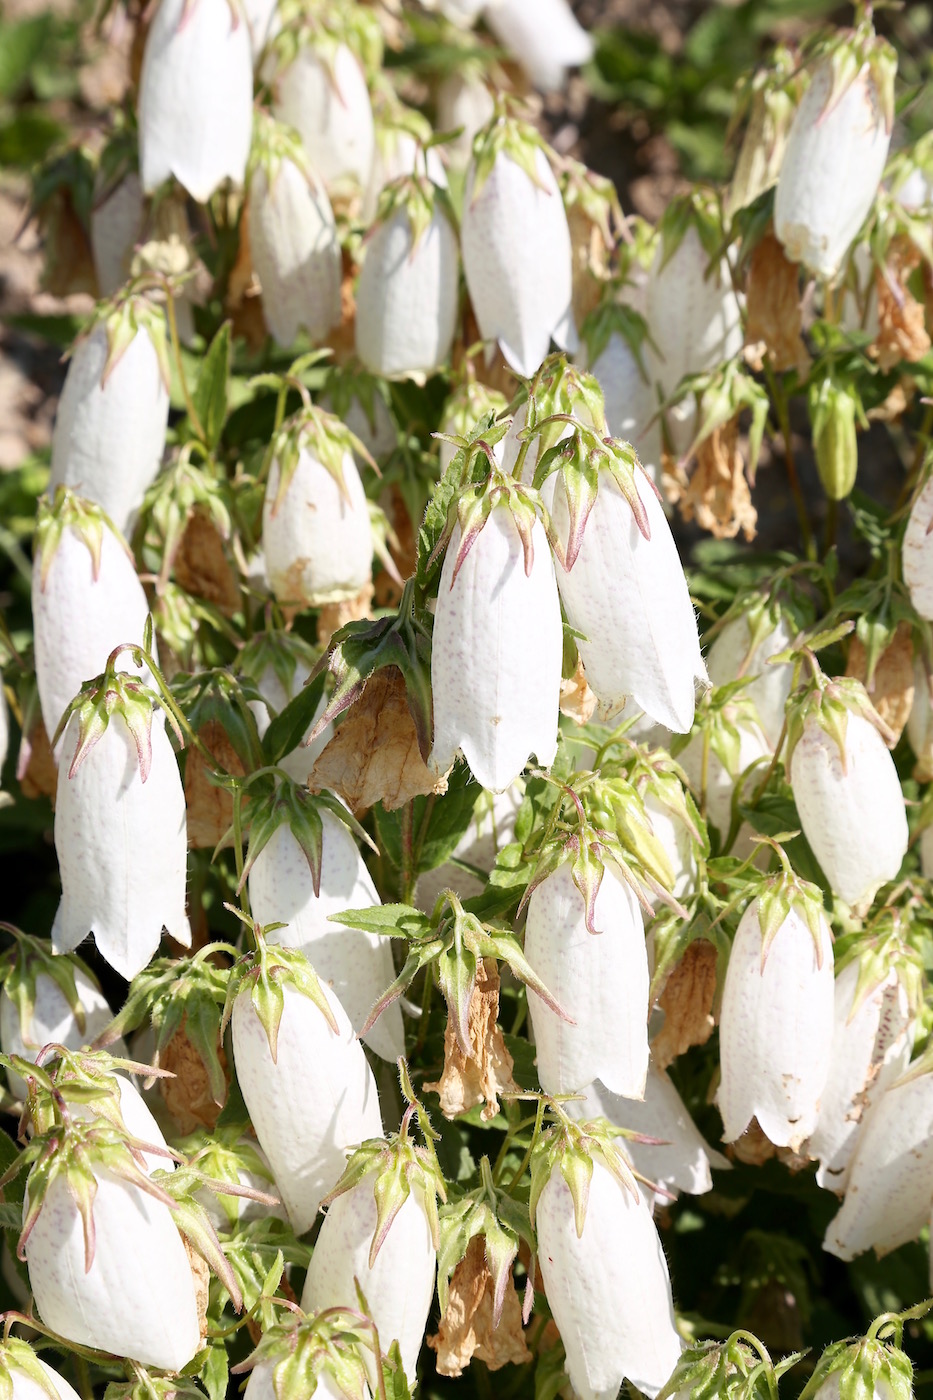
[782,894]
[865,1366]
[264,974]
[313,430]
[114,693]
[286,803]
[572,1148]
[123,317]
[18,1357]
[454,943]
[395,1164]
[880,949]
[417,197]
[830,702]
[503,1224]
[30,958]
[78,1081]
[304,1349]
[739,1368]
[69,511]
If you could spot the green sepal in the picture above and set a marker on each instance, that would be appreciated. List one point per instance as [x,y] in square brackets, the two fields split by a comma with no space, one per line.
[881,947]
[312,429]
[279,801]
[613,317]
[737,1369]
[722,394]
[848,51]
[862,1368]
[579,460]
[394,1165]
[830,702]
[25,962]
[505,135]
[453,942]
[324,29]
[699,210]
[172,500]
[572,1149]
[123,316]
[302,1347]
[86,1079]
[359,649]
[145,1386]
[263,975]
[504,1225]
[781,894]
[174,994]
[66,510]
[417,198]
[18,1356]
[181,1187]
[113,693]
[222,1155]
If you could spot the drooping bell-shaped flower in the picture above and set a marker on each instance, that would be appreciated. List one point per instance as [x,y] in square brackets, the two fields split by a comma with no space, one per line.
[112,416]
[381,1234]
[293,1043]
[293,238]
[623,586]
[846,787]
[407,295]
[890,1182]
[497,641]
[776,1021]
[592,949]
[304,866]
[836,151]
[316,532]
[195,96]
[120,830]
[875,1013]
[319,87]
[464,105]
[86,600]
[516,246]
[613,348]
[602,1264]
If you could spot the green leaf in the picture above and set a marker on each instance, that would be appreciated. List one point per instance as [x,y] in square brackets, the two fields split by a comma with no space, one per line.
[395,920]
[210,395]
[21,44]
[775,814]
[215,1372]
[288,729]
[444,820]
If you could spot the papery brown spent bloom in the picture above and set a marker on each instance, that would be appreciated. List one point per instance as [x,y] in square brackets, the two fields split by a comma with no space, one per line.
[68,266]
[487,1071]
[40,778]
[717,494]
[577,701]
[188,1096]
[774,320]
[374,755]
[687,1003]
[244,295]
[895,405]
[201,566]
[333,616]
[210,808]
[466,1329]
[892,686]
[902,334]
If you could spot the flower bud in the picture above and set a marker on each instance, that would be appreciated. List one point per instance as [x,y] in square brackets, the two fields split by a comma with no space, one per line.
[834,408]
[546,40]
[322,93]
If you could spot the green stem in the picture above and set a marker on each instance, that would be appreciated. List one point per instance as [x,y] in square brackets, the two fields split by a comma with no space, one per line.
[779,398]
[182,377]
[539,1120]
